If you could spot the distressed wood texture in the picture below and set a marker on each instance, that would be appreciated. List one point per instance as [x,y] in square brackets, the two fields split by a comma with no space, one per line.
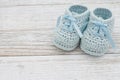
[26,26]
[62,67]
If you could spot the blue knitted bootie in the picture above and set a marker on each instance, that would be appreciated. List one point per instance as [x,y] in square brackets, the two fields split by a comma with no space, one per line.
[70,27]
[97,37]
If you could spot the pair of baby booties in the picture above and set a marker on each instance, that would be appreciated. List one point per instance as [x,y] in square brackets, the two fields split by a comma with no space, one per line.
[92,30]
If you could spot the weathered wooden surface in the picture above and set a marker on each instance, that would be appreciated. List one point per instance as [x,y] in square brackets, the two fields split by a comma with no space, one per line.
[26,26]
[62,67]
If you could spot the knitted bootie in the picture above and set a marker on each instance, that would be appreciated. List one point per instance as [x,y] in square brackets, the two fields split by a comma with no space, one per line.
[97,38]
[70,27]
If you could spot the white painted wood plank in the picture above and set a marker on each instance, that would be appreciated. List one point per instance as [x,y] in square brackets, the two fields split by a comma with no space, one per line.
[28,30]
[5,3]
[35,43]
[82,67]
[37,17]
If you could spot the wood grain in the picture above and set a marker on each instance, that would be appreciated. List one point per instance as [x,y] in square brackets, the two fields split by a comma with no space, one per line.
[64,67]
[53,2]
[27,26]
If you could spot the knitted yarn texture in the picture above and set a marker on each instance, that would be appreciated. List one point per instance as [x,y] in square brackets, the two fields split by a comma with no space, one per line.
[70,27]
[97,38]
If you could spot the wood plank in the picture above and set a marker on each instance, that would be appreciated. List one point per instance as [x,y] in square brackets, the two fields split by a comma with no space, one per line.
[37,17]
[65,67]
[28,30]
[36,43]
[7,3]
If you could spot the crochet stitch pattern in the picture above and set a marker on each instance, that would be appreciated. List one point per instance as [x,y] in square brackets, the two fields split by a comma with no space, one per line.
[97,38]
[70,26]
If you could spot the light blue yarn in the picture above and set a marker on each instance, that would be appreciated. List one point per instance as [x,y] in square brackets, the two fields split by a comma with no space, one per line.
[103,27]
[70,27]
[97,38]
